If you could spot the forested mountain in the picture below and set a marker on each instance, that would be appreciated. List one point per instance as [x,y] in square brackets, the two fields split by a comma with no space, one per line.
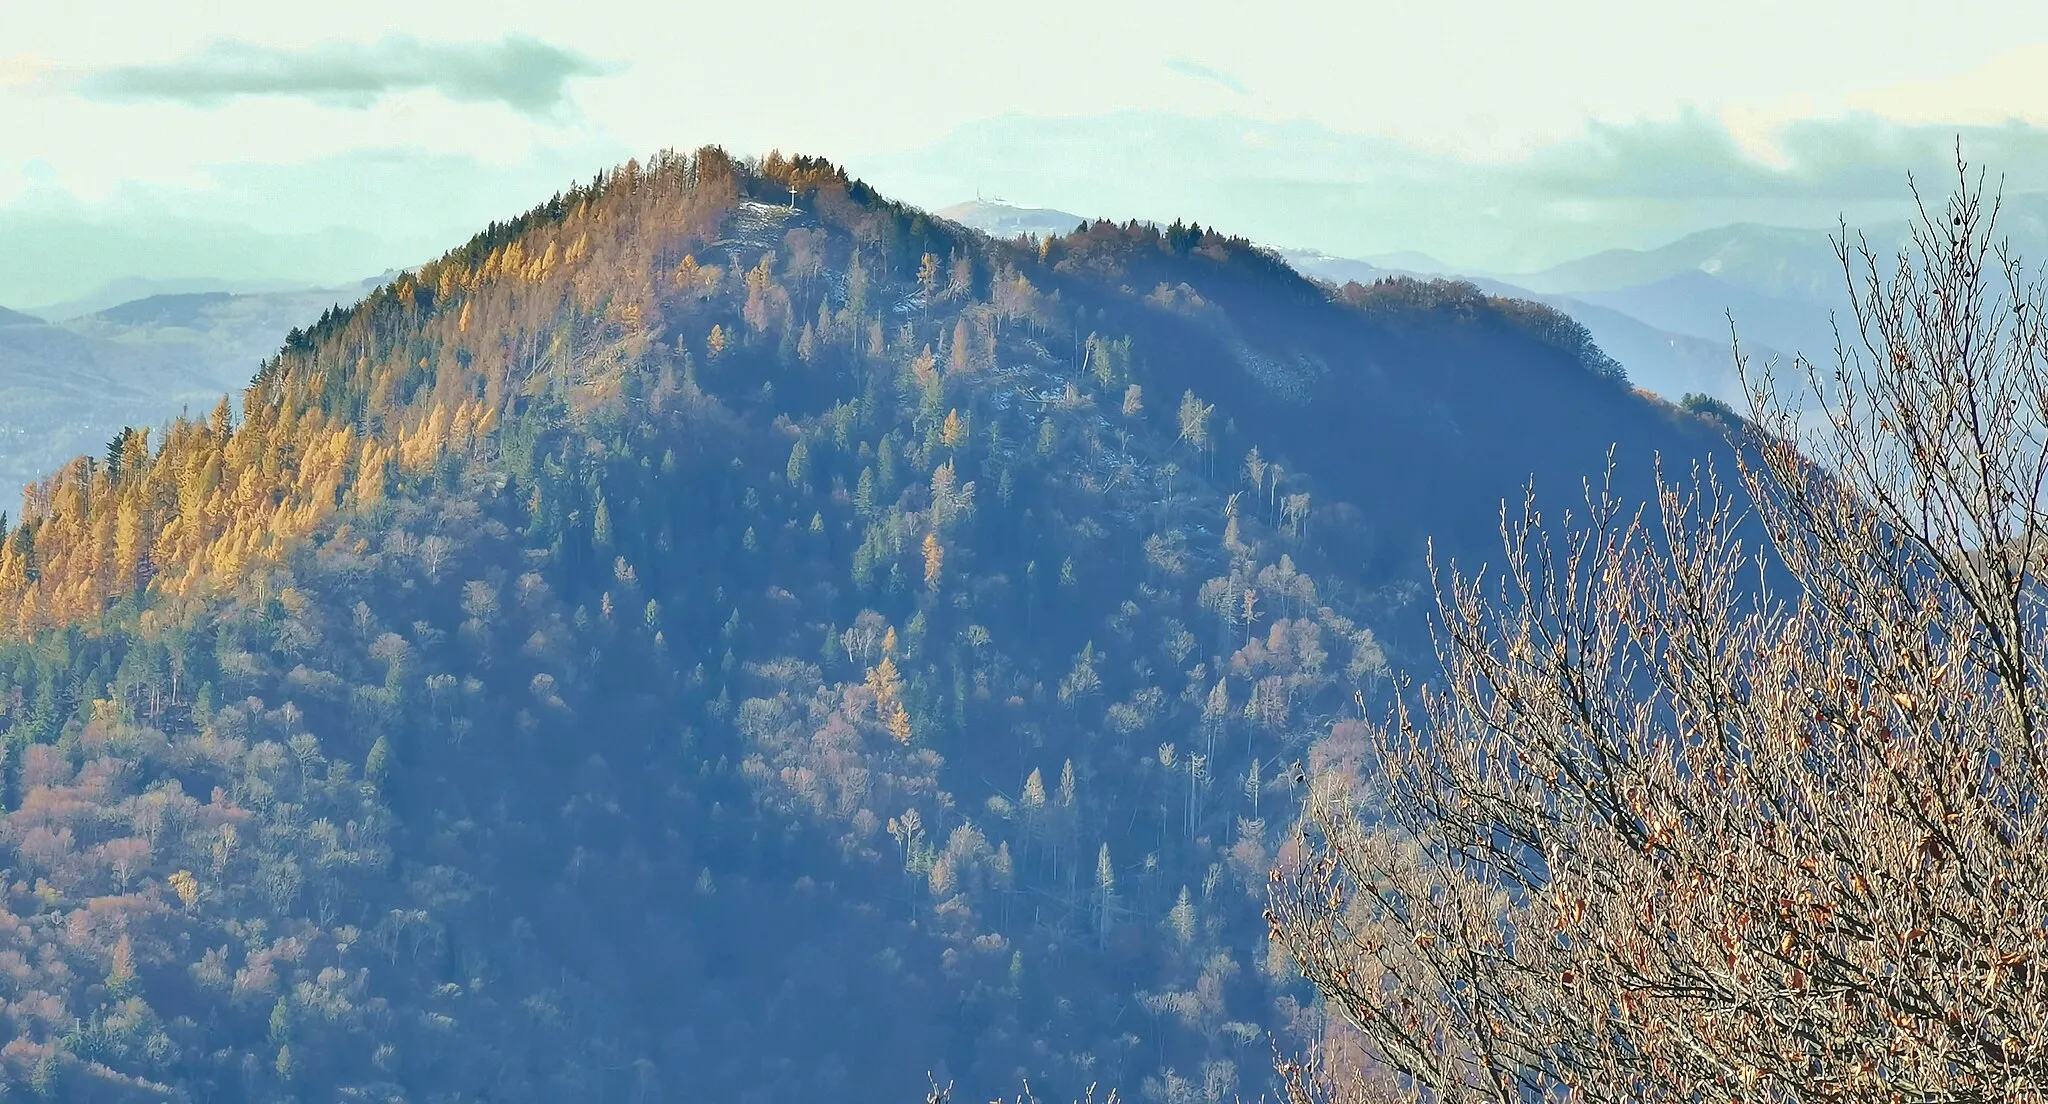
[725,636]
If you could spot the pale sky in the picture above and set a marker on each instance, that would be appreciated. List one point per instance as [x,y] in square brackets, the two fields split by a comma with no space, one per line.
[377,126]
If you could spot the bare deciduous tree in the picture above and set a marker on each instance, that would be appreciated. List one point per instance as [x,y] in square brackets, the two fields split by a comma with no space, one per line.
[1671,829]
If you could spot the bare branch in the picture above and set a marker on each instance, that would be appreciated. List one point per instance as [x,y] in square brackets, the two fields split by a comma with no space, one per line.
[1666,832]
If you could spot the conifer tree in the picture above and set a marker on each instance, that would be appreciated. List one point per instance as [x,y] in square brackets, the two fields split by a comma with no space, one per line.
[934,560]
[798,470]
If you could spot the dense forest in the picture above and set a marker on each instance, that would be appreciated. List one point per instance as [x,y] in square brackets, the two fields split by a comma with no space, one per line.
[722,635]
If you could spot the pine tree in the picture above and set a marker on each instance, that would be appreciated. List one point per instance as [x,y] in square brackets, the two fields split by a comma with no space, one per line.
[856,288]
[1105,894]
[927,278]
[1182,919]
[121,975]
[378,762]
[864,493]
[1194,421]
[885,464]
[798,470]
[957,353]
[887,686]
[934,560]
[1034,790]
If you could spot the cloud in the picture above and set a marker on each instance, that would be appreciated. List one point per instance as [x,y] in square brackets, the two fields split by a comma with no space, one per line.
[1852,158]
[525,74]
[1200,72]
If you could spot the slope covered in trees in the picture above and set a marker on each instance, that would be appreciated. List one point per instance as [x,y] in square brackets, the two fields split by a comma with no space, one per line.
[722,635]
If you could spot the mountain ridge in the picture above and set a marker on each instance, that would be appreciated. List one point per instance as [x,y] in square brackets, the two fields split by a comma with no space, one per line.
[1671,348]
[1671,364]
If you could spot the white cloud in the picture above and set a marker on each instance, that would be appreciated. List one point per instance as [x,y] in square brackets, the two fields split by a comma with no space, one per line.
[520,72]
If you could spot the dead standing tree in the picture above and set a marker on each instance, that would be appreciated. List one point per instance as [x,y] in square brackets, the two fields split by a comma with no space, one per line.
[1664,835]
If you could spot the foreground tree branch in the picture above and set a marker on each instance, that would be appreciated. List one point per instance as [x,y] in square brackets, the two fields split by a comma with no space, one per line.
[1670,830]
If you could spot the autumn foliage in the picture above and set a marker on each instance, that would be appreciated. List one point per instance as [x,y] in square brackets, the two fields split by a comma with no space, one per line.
[1741,798]
[368,400]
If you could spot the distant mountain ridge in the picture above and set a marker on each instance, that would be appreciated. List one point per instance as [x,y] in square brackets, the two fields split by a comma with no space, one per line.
[1766,259]
[69,387]
[133,289]
[179,309]
[1700,305]
[1001,220]
[1781,286]
[1778,262]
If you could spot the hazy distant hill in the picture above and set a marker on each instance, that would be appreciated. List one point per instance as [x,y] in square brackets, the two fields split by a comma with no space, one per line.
[1787,263]
[135,288]
[1702,306]
[230,331]
[67,388]
[1780,263]
[685,646]
[62,392]
[999,219]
